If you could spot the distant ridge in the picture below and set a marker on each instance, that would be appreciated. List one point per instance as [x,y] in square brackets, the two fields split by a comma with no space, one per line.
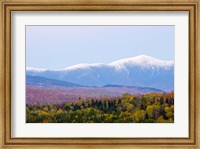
[48,83]
[135,87]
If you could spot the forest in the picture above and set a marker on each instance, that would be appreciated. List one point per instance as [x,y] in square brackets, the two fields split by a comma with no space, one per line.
[127,108]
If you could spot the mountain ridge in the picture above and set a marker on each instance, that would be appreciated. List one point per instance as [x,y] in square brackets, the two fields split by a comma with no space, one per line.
[45,82]
[52,83]
[143,59]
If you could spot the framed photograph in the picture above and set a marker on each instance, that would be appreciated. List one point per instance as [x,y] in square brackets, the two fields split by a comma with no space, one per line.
[98,74]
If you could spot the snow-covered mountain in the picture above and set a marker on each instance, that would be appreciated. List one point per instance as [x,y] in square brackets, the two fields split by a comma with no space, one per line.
[144,71]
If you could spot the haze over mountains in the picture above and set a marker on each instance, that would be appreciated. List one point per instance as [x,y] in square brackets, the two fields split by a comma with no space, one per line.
[140,71]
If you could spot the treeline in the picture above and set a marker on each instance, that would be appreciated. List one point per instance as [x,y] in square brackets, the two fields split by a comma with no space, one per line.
[148,108]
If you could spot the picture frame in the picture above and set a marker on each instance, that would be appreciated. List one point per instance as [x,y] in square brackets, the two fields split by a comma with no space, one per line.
[7,7]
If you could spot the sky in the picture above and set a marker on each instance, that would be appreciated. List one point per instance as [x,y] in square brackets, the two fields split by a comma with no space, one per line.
[57,47]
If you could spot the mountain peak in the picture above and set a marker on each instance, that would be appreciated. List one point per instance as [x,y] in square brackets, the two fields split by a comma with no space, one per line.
[143,61]
[144,57]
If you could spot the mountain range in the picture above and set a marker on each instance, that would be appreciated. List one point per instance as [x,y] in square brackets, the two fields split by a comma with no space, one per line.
[141,71]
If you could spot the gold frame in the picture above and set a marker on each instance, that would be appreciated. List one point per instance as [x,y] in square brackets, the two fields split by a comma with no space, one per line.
[192,6]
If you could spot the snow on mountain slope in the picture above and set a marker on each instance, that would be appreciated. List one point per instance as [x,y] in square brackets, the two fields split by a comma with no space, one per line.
[35,69]
[83,66]
[142,61]
[141,70]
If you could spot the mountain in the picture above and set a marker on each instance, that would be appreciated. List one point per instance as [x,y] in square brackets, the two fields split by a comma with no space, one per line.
[47,83]
[143,71]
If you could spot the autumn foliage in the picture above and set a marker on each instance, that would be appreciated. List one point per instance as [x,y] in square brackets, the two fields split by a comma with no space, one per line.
[127,108]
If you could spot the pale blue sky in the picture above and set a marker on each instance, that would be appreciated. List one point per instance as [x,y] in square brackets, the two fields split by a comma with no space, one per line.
[56,47]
